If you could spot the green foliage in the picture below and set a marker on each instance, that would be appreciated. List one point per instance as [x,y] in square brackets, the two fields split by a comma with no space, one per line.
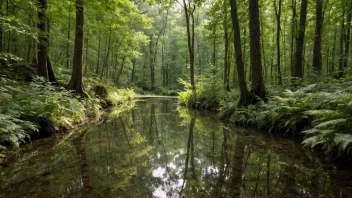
[322,112]
[208,94]
[121,95]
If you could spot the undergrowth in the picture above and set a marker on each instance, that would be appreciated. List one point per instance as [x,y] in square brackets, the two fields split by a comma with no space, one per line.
[38,107]
[320,113]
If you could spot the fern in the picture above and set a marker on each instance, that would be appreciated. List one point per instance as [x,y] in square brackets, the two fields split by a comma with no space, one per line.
[330,123]
[343,140]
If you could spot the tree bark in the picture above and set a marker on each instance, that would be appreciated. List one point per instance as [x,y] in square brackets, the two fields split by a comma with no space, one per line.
[278,31]
[189,11]
[1,29]
[43,39]
[151,65]
[298,70]
[348,37]
[68,38]
[76,82]
[332,68]
[258,87]
[226,46]
[98,59]
[317,57]
[51,74]
[245,96]
[293,35]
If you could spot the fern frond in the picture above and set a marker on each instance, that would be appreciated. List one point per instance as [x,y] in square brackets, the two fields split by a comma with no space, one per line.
[312,141]
[329,123]
[343,140]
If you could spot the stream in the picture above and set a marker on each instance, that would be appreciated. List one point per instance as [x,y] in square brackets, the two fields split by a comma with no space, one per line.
[157,149]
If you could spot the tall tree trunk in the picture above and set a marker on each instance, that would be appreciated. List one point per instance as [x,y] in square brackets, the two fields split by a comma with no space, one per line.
[121,70]
[105,65]
[86,62]
[133,69]
[189,11]
[298,70]
[43,39]
[214,52]
[151,64]
[258,87]
[245,96]
[342,36]
[278,31]
[293,36]
[98,59]
[163,68]
[1,29]
[68,38]
[317,57]
[332,68]
[76,82]
[226,55]
[348,37]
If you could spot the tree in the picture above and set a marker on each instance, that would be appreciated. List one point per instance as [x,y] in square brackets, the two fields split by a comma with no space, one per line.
[245,96]
[44,65]
[76,82]
[189,9]
[278,31]
[298,60]
[317,57]
[258,87]
[226,46]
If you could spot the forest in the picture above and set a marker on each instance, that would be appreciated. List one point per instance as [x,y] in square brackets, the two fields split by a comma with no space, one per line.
[278,66]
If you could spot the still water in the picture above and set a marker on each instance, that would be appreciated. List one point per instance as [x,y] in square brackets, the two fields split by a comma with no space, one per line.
[157,149]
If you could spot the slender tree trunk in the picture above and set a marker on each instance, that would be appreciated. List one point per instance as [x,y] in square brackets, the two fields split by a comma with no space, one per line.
[256,60]
[43,39]
[189,11]
[86,62]
[1,29]
[348,37]
[151,64]
[68,38]
[105,66]
[76,82]
[332,68]
[293,35]
[214,52]
[98,59]
[226,39]
[163,69]
[263,54]
[298,70]
[340,73]
[245,97]
[133,69]
[278,31]
[121,70]
[317,57]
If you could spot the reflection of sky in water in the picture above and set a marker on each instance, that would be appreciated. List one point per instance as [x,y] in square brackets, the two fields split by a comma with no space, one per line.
[168,188]
[119,163]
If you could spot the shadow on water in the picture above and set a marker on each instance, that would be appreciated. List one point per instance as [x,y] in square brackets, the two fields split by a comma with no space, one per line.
[158,149]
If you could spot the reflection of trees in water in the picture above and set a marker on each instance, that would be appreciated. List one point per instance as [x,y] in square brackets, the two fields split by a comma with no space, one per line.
[189,154]
[196,157]
[82,158]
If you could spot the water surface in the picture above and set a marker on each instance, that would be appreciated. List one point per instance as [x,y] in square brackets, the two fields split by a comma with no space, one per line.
[159,150]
